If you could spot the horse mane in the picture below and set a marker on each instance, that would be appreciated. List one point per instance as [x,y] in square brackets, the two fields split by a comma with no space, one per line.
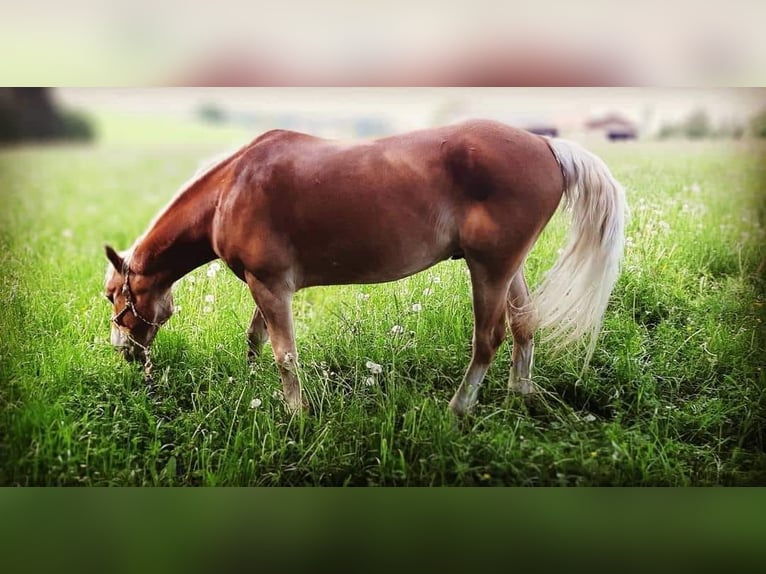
[205,168]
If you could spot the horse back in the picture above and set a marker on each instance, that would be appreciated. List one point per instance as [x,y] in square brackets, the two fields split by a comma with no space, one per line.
[383,209]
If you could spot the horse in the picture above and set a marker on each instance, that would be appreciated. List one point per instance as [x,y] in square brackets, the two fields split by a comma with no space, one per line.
[290,210]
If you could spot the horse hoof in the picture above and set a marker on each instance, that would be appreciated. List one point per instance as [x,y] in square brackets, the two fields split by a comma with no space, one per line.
[297,408]
[458,408]
[524,387]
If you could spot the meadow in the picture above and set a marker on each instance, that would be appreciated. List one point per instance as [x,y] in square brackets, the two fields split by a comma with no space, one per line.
[674,394]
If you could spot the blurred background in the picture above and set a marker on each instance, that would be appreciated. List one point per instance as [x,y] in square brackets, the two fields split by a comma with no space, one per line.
[234,115]
[682,43]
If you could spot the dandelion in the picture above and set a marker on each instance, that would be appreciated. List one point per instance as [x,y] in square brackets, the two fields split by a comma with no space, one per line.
[375,368]
[209,299]
[231,379]
[213,268]
[417,308]
[369,381]
[436,279]
[397,330]
[427,291]
[589,418]
[255,403]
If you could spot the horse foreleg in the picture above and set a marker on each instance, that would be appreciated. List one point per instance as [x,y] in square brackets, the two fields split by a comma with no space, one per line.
[276,306]
[522,318]
[257,335]
[489,305]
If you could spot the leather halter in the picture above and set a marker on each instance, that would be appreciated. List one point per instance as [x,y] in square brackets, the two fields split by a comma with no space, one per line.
[130,305]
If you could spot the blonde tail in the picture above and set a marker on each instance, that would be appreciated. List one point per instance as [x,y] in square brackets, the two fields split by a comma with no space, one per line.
[572,298]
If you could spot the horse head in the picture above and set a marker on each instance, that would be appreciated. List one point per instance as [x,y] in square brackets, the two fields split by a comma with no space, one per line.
[140,306]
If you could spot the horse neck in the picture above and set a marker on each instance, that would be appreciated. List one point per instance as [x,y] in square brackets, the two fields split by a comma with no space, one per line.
[180,239]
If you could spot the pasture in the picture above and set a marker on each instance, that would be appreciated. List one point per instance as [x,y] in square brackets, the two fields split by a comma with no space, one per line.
[674,394]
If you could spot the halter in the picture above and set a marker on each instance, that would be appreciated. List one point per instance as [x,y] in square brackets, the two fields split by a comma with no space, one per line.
[130,305]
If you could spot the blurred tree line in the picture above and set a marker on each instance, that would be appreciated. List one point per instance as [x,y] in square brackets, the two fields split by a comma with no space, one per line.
[697,125]
[30,114]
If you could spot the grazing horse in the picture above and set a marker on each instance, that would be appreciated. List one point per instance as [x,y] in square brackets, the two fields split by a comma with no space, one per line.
[290,210]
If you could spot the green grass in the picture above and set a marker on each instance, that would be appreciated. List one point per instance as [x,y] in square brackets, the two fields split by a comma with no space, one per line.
[674,396]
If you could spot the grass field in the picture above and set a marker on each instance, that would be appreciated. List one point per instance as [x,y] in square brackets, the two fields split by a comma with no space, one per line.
[674,395]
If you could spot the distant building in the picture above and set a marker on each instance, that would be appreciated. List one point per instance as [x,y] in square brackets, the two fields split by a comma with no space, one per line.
[614,127]
[543,130]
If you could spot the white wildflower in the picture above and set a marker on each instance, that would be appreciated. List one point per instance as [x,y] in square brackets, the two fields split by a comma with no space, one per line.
[397,330]
[206,309]
[375,368]
[417,308]
[589,418]
[67,233]
[209,299]
[436,279]
[191,278]
[213,268]
[255,403]
[177,308]
[363,296]
[369,381]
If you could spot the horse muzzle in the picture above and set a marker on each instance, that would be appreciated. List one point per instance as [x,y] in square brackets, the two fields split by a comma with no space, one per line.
[127,348]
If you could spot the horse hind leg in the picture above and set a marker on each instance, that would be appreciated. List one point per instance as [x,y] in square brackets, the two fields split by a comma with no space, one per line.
[489,307]
[257,335]
[522,317]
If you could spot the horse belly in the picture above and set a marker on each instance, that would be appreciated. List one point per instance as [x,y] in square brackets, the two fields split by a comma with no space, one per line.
[373,246]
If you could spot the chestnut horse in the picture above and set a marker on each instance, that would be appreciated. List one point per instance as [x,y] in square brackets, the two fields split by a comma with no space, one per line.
[290,210]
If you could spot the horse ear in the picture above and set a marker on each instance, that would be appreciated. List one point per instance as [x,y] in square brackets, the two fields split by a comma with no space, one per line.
[114,257]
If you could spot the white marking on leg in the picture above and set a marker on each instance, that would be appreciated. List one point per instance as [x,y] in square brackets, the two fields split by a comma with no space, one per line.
[467,392]
[291,386]
[289,363]
[521,373]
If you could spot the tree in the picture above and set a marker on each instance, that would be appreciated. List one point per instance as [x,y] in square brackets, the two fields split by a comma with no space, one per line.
[697,125]
[31,114]
[758,124]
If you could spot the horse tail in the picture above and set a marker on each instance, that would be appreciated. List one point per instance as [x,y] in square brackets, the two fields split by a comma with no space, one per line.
[572,298]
